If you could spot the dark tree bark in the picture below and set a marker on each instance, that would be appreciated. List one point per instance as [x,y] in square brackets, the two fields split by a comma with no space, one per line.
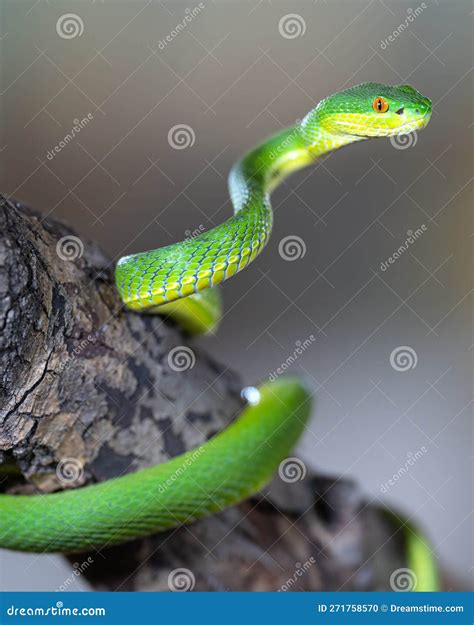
[90,391]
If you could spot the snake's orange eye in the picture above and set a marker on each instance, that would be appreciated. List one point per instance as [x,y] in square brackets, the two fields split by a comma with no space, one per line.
[380,105]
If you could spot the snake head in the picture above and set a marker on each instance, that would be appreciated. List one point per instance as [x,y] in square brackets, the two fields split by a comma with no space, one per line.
[374,110]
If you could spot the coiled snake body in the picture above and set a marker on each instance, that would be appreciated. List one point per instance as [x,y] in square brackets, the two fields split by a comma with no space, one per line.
[176,280]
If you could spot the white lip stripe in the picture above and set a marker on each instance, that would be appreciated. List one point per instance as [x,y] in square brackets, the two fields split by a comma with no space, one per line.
[403,129]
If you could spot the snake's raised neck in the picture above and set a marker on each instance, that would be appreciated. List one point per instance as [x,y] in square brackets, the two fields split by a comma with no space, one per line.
[189,268]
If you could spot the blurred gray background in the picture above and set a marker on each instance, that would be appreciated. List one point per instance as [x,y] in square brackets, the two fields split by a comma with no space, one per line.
[236,73]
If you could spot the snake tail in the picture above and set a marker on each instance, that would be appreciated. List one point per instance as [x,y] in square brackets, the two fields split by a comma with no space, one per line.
[421,573]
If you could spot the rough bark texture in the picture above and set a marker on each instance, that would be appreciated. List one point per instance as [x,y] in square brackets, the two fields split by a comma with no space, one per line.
[89,391]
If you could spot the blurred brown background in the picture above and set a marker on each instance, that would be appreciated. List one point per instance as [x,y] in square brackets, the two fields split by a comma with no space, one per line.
[233,74]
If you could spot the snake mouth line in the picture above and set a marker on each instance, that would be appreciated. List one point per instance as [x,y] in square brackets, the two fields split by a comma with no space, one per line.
[404,129]
[415,124]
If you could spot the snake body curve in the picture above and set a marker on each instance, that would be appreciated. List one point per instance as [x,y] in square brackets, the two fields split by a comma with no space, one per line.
[178,281]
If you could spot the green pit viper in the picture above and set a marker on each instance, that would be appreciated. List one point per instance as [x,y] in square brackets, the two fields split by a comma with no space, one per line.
[178,281]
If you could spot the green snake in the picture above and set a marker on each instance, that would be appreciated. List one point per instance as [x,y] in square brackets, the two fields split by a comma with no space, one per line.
[178,281]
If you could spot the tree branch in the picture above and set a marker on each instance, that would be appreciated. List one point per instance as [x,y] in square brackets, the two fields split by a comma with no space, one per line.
[90,391]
